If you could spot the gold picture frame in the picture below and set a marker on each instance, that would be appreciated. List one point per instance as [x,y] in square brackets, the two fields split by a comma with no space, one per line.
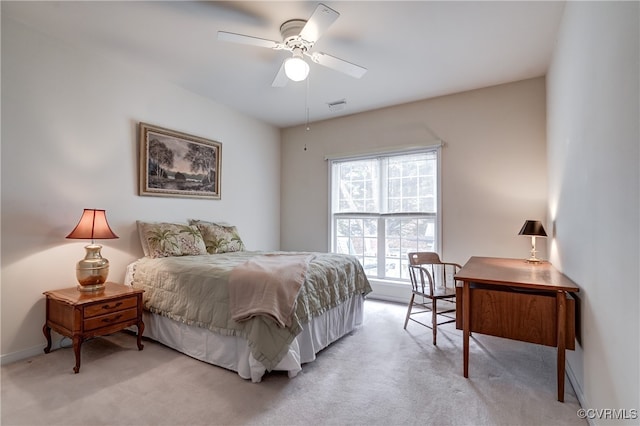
[175,164]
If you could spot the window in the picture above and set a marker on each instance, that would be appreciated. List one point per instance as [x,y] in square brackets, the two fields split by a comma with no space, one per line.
[384,207]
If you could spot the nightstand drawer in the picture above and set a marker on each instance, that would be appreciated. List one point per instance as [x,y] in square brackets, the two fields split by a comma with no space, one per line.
[109,306]
[109,319]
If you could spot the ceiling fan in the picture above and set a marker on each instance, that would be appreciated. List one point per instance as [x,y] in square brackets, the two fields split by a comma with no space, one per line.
[298,37]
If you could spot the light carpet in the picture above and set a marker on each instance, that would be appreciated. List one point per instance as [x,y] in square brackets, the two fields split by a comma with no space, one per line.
[378,375]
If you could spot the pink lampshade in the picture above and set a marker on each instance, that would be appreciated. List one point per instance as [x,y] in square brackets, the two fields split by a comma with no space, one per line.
[93,225]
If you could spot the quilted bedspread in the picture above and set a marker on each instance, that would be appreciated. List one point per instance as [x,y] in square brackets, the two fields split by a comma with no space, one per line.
[195,290]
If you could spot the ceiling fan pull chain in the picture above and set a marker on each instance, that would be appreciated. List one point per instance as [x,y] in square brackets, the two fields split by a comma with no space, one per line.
[306,105]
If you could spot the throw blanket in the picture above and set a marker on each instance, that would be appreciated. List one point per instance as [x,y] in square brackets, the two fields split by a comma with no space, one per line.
[267,285]
[195,290]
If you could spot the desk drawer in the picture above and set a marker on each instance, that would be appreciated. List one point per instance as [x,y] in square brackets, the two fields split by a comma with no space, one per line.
[103,308]
[526,316]
[110,319]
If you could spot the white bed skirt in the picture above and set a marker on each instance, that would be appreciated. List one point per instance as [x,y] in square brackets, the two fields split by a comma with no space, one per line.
[233,353]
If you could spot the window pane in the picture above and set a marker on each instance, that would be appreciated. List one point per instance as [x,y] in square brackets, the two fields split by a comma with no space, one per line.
[394,205]
[355,186]
[371,228]
[409,235]
[410,204]
[411,184]
[358,237]
[426,235]
[392,268]
[410,187]
[342,228]
[342,245]
[370,265]
[395,188]
[371,247]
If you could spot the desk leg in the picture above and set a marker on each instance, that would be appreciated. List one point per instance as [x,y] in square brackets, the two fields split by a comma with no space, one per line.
[466,324]
[561,311]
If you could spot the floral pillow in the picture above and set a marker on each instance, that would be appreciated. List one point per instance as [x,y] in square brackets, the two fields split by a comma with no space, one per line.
[171,239]
[219,238]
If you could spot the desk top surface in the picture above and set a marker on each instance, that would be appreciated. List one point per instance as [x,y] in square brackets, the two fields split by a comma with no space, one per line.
[515,273]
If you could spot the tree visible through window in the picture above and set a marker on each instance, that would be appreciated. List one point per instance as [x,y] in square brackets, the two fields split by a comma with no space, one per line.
[384,207]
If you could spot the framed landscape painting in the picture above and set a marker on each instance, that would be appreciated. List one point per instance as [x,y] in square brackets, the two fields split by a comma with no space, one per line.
[175,164]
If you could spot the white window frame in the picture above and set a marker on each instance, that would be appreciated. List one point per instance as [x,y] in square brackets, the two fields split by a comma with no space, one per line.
[384,153]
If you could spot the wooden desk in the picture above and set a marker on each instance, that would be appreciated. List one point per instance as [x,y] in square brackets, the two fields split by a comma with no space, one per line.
[517,300]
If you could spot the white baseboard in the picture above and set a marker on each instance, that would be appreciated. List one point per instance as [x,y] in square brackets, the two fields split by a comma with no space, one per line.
[29,352]
[577,389]
[387,298]
[390,291]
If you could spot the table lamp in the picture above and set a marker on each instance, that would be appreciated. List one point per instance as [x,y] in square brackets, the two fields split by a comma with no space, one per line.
[92,271]
[533,228]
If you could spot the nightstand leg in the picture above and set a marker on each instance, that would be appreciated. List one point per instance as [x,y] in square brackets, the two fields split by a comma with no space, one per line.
[77,343]
[47,333]
[140,331]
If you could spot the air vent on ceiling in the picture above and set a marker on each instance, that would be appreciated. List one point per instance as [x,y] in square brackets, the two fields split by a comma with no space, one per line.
[337,105]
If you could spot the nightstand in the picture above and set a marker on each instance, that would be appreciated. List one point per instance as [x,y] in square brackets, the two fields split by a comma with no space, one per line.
[82,315]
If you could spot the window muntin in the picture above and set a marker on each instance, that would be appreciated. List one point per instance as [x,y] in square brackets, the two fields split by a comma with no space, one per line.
[384,207]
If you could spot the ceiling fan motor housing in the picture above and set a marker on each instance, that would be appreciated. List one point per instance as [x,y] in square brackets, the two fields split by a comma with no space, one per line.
[290,32]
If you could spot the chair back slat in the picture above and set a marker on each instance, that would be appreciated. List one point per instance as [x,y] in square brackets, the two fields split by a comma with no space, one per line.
[421,279]
[423,258]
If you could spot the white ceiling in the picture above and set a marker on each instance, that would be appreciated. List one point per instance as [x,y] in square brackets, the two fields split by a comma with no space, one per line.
[413,50]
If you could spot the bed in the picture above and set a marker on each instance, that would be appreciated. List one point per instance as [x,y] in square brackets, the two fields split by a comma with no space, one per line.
[206,298]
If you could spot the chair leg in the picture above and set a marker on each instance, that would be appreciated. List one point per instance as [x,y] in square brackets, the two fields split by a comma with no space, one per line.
[434,319]
[406,320]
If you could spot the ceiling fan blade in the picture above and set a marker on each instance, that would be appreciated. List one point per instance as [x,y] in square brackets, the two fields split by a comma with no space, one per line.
[281,78]
[245,39]
[337,64]
[320,20]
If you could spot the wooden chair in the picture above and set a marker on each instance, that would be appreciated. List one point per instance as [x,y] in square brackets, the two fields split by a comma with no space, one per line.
[432,280]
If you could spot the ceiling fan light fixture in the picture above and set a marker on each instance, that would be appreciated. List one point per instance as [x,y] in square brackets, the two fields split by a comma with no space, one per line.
[296,68]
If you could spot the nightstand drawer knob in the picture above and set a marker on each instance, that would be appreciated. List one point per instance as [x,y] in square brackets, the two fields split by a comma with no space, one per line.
[111,307]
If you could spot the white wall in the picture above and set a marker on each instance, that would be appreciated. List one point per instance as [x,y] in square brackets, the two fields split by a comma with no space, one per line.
[493,166]
[593,139]
[69,141]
